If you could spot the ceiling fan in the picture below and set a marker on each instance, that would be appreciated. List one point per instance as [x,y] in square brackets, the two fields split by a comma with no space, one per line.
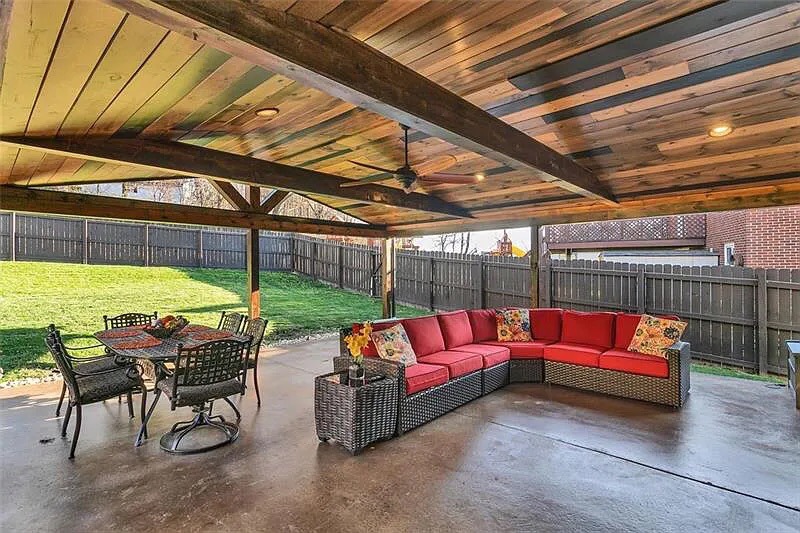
[411,179]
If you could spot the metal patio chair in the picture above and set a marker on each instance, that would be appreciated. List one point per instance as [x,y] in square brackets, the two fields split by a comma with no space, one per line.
[92,387]
[230,322]
[129,319]
[203,373]
[255,328]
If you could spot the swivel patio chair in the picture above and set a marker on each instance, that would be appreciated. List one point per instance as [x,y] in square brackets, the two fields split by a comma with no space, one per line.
[230,322]
[130,319]
[203,373]
[86,364]
[92,387]
[255,327]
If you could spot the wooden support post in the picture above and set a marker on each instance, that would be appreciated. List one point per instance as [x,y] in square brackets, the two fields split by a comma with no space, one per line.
[535,254]
[387,277]
[763,346]
[253,255]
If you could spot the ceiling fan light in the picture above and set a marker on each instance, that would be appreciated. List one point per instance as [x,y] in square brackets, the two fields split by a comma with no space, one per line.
[480,176]
[267,112]
[720,130]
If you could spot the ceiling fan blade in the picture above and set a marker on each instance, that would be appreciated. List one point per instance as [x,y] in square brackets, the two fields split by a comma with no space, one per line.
[439,177]
[436,164]
[373,167]
[369,179]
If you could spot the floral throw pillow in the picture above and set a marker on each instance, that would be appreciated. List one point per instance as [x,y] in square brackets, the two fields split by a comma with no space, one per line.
[654,335]
[393,344]
[513,325]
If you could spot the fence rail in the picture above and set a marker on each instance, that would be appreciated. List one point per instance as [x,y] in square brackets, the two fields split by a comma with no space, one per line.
[737,316]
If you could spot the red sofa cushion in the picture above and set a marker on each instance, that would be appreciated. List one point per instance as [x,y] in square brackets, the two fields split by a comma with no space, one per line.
[370,350]
[492,355]
[576,354]
[457,363]
[594,329]
[425,335]
[635,363]
[523,350]
[546,324]
[420,377]
[483,323]
[455,327]
[625,328]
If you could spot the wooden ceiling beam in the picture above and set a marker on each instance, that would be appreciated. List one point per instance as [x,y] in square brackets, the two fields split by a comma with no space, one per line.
[230,194]
[30,200]
[357,73]
[273,200]
[197,161]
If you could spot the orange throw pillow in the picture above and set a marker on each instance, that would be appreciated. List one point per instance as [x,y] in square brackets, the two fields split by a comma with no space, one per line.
[654,335]
[513,325]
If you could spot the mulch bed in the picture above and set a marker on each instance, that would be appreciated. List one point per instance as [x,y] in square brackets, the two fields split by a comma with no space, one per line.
[148,342]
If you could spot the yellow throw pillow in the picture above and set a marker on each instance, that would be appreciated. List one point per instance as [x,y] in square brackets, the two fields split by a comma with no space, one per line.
[654,335]
[393,344]
[513,325]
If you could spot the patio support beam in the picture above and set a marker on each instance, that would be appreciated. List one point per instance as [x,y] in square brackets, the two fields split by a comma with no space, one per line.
[273,200]
[230,194]
[253,260]
[535,254]
[67,203]
[355,72]
[387,277]
[197,161]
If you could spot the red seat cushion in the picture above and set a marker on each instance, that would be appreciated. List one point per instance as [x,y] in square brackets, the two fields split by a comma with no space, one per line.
[424,334]
[370,350]
[625,328]
[492,355]
[457,363]
[576,354]
[455,327]
[483,323]
[593,329]
[635,363]
[523,350]
[420,377]
[546,324]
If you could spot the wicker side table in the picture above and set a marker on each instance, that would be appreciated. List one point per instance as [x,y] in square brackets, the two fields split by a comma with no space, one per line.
[354,416]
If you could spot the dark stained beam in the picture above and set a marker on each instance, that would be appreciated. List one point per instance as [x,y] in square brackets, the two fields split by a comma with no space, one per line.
[230,194]
[197,161]
[273,200]
[66,203]
[344,67]
[253,260]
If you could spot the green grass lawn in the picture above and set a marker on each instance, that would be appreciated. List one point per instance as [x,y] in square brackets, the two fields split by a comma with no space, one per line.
[75,298]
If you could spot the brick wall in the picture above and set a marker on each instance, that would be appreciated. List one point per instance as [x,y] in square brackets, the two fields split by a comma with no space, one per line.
[765,238]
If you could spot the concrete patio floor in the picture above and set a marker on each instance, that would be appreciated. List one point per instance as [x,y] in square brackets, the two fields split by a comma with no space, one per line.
[529,457]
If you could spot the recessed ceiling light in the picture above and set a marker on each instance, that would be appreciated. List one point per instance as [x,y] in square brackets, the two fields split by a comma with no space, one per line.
[267,111]
[480,176]
[720,130]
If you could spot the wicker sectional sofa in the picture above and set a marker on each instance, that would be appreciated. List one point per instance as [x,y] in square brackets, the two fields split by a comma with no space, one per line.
[460,359]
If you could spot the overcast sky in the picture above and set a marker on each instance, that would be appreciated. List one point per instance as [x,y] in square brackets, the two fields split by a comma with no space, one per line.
[484,241]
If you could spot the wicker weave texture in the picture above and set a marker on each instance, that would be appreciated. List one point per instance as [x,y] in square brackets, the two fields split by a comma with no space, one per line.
[355,416]
[426,405]
[668,391]
[526,371]
[494,378]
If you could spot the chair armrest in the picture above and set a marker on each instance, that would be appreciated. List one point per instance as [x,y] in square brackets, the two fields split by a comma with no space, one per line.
[680,360]
[84,347]
[133,371]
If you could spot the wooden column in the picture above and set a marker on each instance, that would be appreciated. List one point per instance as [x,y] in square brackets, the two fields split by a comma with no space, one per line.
[387,277]
[535,254]
[253,255]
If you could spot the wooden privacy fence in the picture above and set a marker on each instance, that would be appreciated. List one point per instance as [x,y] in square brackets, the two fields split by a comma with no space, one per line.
[737,316]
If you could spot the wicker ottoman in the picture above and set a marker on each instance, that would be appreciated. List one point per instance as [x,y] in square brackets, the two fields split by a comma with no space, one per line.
[354,416]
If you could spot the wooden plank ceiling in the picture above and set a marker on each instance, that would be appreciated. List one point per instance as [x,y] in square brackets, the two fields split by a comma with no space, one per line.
[628,89]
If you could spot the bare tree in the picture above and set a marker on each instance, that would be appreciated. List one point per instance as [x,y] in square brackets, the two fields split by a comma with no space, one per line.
[455,242]
[203,194]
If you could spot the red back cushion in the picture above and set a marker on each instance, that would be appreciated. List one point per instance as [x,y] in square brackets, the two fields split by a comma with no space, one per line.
[424,334]
[546,324]
[456,330]
[625,328]
[370,350]
[595,329]
[483,323]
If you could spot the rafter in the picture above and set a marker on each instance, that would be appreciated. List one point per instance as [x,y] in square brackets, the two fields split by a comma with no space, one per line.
[26,199]
[273,200]
[357,73]
[197,161]
[230,194]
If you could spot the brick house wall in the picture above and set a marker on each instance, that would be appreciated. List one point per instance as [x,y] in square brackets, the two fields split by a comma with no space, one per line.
[763,238]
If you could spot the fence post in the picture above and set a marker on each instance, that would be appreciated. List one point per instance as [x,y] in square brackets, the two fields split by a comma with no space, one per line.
[200,254]
[480,301]
[13,236]
[761,276]
[641,289]
[146,245]
[430,279]
[85,241]
[340,261]
[546,274]
[292,252]
[373,275]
